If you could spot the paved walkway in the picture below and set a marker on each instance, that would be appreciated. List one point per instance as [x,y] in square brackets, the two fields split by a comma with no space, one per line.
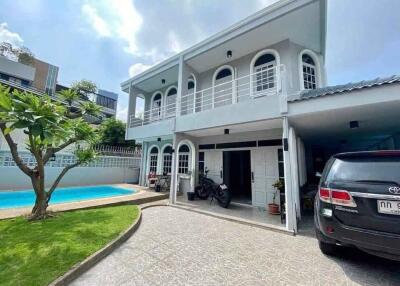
[178,247]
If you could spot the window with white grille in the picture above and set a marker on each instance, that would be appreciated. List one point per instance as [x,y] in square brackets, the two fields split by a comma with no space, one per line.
[153,160]
[264,74]
[309,72]
[183,162]
[167,160]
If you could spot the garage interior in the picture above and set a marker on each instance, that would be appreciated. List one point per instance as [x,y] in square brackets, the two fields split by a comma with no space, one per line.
[360,128]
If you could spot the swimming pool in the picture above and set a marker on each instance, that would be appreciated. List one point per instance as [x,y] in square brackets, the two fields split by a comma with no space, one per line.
[26,198]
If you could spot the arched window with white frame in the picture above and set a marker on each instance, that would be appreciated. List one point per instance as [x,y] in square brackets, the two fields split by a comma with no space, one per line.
[223,82]
[156,106]
[264,78]
[309,70]
[167,159]
[153,160]
[183,159]
[170,101]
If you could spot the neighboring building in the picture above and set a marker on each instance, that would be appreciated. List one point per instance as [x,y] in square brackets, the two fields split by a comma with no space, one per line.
[40,79]
[41,76]
[16,73]
[108,100]
[45,77]
[250,105]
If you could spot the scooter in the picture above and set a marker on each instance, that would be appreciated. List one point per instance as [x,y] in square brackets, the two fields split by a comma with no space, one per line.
[209,188]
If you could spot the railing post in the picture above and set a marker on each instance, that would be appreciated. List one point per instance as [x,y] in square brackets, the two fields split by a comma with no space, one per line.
[194,101]
[234,91]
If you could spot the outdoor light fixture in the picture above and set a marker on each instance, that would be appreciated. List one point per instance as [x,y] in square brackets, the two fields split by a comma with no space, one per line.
[226,131]
[354,124]
[162,81]
[53,158]
[229,54]
[159,139]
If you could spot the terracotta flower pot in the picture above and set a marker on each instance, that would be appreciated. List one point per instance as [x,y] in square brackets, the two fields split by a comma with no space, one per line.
[273,209]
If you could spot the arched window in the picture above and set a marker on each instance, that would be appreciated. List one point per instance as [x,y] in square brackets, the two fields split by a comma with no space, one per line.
[264,79]
[190,84]
[170,106]
[153,160]
[184,154]
[167,159]
[222,88]
[156,106]
[309,72]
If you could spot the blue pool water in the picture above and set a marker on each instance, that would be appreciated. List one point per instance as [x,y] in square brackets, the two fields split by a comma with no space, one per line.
[26,198]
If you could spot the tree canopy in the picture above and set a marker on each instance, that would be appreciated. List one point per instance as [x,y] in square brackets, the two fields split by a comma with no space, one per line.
[84,88]
[112,132]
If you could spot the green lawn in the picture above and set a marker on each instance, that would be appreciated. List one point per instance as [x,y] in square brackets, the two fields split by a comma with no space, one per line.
[36,253]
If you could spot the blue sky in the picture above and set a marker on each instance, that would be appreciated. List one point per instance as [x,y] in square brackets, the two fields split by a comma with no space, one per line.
[108,40]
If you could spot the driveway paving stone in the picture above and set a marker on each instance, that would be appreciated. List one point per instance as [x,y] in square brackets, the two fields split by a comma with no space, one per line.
[178,247]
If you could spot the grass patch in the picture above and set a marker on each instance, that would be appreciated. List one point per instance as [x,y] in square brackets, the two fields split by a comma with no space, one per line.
[36,253]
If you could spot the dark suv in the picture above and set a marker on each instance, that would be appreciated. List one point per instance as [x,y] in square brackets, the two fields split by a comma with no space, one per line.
[358,203]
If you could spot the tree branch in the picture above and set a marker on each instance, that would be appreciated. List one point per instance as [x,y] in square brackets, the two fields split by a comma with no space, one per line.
[51,151]
[14,151]
[60,176]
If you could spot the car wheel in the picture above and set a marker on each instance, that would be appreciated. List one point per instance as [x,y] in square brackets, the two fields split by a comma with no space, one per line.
[327,248]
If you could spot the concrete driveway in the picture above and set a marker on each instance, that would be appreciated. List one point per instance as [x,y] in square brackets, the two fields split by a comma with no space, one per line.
[178,247]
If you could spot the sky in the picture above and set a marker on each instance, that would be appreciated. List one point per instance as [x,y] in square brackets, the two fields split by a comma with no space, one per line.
[107,41]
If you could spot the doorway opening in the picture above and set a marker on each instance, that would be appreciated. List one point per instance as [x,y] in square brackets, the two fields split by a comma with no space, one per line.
[237,175]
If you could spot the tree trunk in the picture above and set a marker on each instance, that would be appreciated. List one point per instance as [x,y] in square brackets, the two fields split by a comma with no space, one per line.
[39,210]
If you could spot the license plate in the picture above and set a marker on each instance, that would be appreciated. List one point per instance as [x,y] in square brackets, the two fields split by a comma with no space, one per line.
[389,207]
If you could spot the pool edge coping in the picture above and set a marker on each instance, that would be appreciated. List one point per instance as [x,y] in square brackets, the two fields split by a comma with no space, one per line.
[83,266]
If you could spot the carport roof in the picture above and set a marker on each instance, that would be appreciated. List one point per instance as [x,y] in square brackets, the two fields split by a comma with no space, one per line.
[331,90]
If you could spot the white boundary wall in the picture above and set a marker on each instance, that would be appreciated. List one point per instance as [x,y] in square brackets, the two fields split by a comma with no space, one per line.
[105,170]
[12,178]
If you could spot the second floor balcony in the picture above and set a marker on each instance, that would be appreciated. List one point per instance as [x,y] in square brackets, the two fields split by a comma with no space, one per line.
[265,82]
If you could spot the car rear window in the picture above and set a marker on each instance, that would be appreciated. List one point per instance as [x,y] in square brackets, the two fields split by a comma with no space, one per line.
[365,169]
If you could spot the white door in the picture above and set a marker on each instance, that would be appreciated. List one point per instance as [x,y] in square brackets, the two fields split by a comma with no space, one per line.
[213,163]
[264,168]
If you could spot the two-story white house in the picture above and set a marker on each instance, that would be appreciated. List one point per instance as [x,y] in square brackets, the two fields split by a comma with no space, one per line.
[246,105]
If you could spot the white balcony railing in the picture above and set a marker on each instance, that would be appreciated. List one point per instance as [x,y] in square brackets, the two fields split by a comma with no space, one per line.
[154,115]
[265,82]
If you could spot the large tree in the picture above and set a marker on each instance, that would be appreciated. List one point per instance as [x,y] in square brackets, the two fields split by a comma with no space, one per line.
[84,88]
[20,54]
[50,127]
[112,132]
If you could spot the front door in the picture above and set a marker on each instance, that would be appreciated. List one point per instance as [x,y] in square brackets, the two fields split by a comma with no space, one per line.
[264,172]
[213,163]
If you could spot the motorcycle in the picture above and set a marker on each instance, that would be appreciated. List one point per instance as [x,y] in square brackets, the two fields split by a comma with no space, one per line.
[208,188]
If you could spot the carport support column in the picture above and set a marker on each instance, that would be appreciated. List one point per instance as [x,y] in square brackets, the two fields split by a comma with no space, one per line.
[290,199]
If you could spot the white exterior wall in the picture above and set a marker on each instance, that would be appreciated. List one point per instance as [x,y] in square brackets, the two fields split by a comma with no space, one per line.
[12,178]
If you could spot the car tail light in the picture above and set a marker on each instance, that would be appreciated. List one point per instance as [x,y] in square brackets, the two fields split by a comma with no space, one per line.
[337,197]
[325,195]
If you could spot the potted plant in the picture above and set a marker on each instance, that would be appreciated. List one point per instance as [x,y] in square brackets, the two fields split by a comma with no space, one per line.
[273,208]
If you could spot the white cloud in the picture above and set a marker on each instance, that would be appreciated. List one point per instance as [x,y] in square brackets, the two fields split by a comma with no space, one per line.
[175,45]
[11,37]
[137,68]
[98,24]
[122,113]
[118,19]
